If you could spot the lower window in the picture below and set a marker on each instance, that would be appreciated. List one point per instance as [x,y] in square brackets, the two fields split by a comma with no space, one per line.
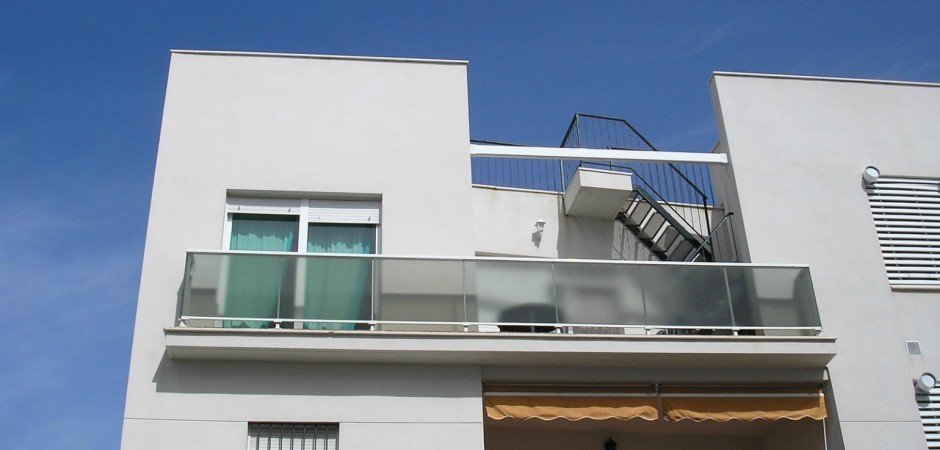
[292,436]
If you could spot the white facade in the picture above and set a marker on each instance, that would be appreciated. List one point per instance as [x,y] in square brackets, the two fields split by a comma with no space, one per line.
[395,133]
[798,147]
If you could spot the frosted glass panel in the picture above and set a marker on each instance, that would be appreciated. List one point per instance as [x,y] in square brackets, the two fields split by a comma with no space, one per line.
[686,295]
[239,286]
[505,291]
[772,297]
[419,290]
[602,294]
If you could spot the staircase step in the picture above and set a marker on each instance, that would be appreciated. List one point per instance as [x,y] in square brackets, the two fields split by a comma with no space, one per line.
[637,212]
[666,238]
[680,250]
[651,226]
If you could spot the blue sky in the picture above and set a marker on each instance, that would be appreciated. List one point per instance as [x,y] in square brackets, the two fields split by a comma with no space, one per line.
[81,92]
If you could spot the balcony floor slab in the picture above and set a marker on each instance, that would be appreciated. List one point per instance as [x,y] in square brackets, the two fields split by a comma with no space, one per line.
[503,349]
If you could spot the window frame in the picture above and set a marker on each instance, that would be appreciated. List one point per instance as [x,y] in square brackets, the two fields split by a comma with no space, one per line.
[307,210]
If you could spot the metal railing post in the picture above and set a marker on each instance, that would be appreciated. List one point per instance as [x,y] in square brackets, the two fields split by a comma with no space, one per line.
[372,300]
[734,324]
[463,273]
[277,319]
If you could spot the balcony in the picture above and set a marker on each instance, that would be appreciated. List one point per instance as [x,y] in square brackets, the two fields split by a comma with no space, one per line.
[464,309]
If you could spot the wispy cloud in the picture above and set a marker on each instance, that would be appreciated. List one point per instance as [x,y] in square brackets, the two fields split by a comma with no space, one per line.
[65,263]
[68,300]
[711,38]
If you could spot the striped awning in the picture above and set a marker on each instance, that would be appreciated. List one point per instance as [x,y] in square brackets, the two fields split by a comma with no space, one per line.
[673,403]
[743,403]
[570,403]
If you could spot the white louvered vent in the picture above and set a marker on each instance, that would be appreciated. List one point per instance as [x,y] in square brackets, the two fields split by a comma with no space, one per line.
[929,405]
[907,218]
[292,436]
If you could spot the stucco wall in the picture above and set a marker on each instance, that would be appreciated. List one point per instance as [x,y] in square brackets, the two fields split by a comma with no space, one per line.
[504,224]
[315,127]
[797,148]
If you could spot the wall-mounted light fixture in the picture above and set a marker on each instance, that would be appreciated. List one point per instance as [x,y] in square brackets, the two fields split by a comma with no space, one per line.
[539,226]
[925,382]
[537,234]
[610,444]
[870,175]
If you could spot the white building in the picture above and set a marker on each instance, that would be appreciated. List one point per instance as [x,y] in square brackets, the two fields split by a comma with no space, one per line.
[330,263]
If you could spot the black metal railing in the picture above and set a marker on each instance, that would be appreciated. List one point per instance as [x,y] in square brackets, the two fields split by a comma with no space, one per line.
[683,189]
[679,183]
[522,173]
[719,242]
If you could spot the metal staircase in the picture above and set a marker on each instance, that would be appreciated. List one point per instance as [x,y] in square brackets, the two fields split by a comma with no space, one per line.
[660,231]
[668,210]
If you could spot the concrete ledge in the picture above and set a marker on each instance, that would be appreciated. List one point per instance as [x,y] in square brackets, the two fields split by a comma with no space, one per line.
[327,57]
[600,194]
[513,349]
[818,78]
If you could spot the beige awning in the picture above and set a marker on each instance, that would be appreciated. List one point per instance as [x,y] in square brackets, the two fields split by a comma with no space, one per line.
[570,403]
[724,404]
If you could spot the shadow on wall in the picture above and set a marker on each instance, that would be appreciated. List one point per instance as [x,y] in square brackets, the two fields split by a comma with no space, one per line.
[586,238]
[334,379]
[833,429]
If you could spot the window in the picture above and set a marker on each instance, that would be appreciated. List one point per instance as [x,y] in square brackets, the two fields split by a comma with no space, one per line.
[292,436]
[906,212]
[331,289]
[291,221]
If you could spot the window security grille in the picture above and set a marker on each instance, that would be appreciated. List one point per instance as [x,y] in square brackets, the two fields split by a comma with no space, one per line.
[907,218]
[292,436]
[929,405]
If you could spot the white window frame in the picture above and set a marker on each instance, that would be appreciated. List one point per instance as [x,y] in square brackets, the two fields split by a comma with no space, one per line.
[307,211]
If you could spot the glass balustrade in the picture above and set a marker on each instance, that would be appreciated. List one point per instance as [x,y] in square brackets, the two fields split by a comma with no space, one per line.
[385,293]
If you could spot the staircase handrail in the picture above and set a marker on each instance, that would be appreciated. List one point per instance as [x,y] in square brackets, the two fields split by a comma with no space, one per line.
[639,135]
[676,170]
[574,124]
[701,247]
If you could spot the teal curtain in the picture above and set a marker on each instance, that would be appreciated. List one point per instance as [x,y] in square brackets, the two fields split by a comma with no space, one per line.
[256,283]
[337,288]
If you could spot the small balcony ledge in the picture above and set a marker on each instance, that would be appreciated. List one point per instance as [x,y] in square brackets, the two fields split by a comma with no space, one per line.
[503,349]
